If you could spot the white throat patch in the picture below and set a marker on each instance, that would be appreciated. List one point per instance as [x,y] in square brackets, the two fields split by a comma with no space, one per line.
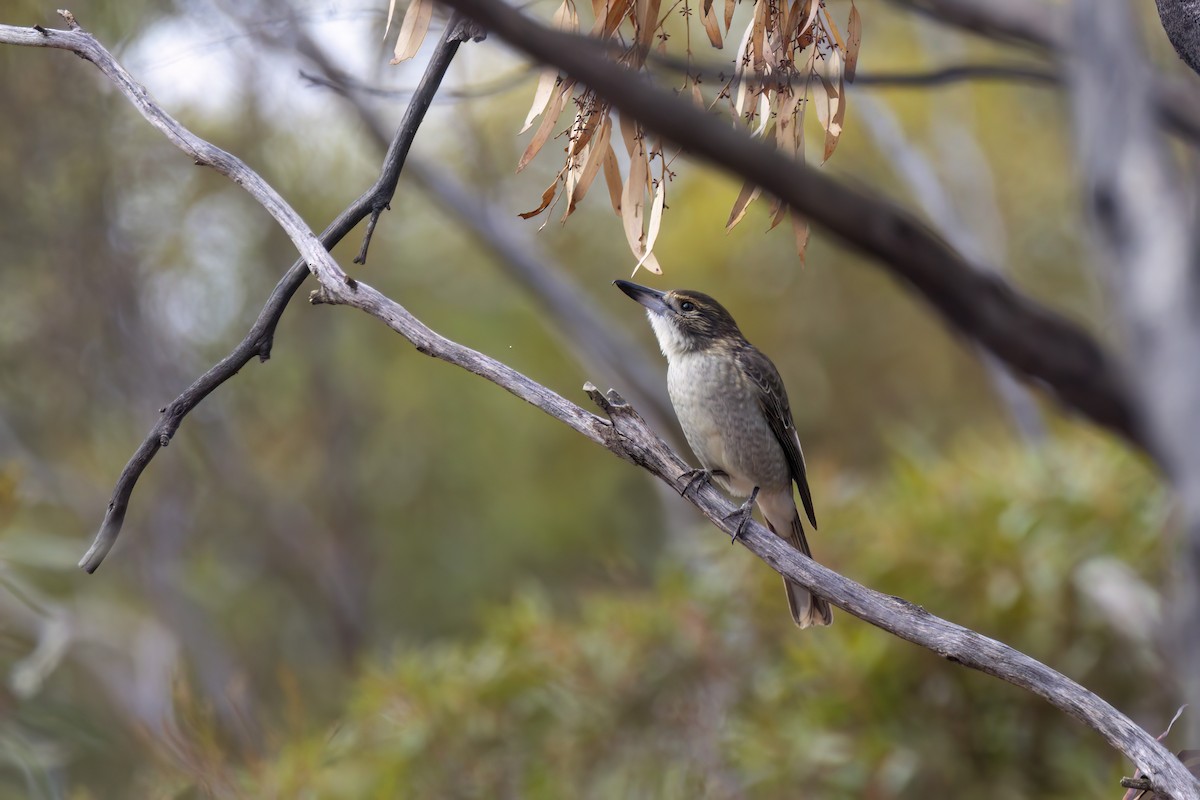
[670,340]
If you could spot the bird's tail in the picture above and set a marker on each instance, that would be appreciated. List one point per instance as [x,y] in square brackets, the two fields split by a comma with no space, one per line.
[807,610]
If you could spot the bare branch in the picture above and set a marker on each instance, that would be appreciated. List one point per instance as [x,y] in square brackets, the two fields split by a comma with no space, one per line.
[940,76]
[1029,338]
[955,73]
[457,31]
[259,339]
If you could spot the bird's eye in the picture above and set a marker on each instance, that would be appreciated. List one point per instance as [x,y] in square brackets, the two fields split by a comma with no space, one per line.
[687,305]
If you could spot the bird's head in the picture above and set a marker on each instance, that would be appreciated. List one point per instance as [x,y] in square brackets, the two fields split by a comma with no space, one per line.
[684,320]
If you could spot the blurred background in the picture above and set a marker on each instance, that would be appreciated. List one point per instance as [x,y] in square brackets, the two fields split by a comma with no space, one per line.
[359,572]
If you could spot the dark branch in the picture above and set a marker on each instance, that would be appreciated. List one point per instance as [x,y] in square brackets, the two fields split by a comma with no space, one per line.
[259,339]
[956,74]
[458,31]
[942,76]
[1033,340]
[1043,26]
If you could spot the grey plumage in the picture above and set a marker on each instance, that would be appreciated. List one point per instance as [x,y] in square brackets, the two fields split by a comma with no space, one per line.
[733,408]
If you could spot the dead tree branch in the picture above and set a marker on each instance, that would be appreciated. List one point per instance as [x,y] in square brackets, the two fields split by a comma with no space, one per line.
[258,341]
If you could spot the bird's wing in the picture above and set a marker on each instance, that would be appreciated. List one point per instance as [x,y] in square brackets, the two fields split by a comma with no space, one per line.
[772,398]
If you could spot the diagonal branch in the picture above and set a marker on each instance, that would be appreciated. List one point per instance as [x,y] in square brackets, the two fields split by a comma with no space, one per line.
[1030,338]
[627,435]
[259,339]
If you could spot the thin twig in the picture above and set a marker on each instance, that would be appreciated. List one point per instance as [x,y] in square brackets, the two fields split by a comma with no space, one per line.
[457,31]
[956,73]
[1044,26]
[942,76]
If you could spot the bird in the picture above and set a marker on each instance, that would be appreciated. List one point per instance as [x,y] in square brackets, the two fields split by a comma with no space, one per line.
[733,408]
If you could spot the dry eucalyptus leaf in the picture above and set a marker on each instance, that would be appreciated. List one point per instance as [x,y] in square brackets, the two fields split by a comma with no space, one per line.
[789,54]
[413,29]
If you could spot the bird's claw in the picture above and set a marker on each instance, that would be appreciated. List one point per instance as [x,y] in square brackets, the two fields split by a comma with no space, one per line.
[698,477]
[695,479]
[743,513]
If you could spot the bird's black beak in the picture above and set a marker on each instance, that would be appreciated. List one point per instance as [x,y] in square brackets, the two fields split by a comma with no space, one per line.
[652,299]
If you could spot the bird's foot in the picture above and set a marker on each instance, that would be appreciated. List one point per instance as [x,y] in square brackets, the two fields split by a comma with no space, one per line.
[697,478]
[742,515]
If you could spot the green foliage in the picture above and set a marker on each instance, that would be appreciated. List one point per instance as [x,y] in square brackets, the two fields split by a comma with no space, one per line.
[698,686]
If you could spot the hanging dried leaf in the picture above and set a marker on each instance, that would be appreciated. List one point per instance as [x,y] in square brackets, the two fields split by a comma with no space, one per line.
[583,130]
[631,135]
[566,18]
[633,201]
[800,231]
[758,33]
[391,13]
[656,211]
[612,176]
[647,20]
[413,29]
[789,122]
[547,199]
[590,165]
[711,26]
[609,17]
[853,42]
[749,193]
[650,264]
[541,97]
[764,114]
[785,44]
[836,103]
[547,127]
[808,17]
[833,31]
[777,213]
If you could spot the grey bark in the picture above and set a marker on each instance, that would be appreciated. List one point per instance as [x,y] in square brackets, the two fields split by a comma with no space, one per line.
[1144,221]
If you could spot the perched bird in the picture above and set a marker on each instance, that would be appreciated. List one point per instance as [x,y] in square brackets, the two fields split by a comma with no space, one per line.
[734,411]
